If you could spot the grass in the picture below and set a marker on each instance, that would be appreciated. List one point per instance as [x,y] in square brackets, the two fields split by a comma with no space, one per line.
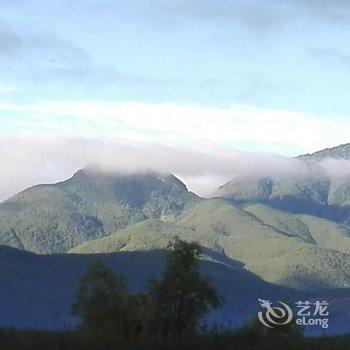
[11,339]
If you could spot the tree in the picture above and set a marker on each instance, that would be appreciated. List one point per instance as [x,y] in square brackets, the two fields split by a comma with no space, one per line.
[100,299]
[183,295]
[137,313]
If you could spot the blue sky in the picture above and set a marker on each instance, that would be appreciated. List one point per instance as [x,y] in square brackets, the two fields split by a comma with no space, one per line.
[252,75]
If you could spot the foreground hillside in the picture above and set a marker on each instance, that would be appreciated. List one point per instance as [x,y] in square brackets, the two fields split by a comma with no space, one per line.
[37,291]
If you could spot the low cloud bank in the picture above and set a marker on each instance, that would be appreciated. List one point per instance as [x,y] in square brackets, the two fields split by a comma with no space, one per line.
[30,160]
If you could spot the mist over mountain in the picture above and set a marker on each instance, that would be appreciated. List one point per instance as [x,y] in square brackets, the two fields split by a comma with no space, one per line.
[39,160]
[323,190]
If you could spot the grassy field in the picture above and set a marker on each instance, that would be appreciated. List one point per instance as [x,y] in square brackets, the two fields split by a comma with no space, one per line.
[44,340]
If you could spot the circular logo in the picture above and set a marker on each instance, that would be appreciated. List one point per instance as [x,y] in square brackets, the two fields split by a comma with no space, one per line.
[273,316]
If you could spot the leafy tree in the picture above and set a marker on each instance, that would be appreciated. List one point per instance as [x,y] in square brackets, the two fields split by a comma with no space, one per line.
[137,314]
[183,295]
[100,299]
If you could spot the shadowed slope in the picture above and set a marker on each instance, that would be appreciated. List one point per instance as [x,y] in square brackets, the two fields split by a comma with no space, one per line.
[38,290]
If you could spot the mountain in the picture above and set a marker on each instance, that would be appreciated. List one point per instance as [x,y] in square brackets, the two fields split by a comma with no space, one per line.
[339,152]
[262,237]
[310,188]
[316,192]
[92,204]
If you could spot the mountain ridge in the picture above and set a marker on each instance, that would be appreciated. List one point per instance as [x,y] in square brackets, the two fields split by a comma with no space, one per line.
[245,234]
[337,152]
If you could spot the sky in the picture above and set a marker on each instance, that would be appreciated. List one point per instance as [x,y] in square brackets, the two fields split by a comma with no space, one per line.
[217,77]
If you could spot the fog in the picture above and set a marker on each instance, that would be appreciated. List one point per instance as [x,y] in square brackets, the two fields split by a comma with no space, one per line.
[31,160]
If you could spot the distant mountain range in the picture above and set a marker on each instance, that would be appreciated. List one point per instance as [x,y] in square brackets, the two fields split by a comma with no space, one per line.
[262,237]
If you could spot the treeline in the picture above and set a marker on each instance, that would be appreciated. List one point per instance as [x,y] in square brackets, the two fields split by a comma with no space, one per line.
[172,307]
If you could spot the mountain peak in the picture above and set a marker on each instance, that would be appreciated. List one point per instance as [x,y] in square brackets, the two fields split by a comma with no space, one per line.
[89,205]
[245,188]
[147,180]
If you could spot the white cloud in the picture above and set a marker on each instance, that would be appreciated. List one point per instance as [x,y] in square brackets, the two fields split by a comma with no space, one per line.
[278,131]
[29,160]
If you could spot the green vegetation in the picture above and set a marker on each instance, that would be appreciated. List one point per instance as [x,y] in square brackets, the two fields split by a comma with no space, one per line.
[102,303]
[243,339]
[101,298]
